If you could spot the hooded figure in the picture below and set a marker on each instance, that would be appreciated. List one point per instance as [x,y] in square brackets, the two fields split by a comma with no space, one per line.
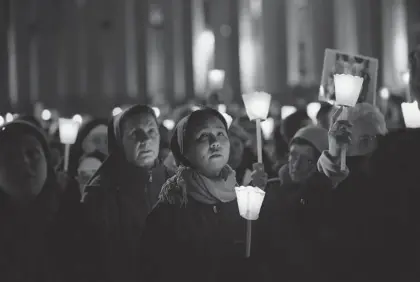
[91,138]
[289,234]
[122,193]
[196,232]
[29,202]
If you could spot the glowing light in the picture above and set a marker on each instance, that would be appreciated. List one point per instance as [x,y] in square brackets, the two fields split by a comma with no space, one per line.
[206,39]
[46,115]
[250,200]
[267,127]
[347,89]
[68,130]
[405,76]
[312,110]
[116,111]
[195,108]
[203,56]
[1,120]
[9,117]
[222,108]
[228,119]
[216,79]
[169,124]
[157,111]
[257,105]
[384,93]
[78,118]
[411,114]
[287,111]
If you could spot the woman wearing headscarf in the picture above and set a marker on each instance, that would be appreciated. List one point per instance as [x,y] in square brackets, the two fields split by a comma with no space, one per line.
[91,138]
[291,224]
[121,195]
[29,203]
[196,233]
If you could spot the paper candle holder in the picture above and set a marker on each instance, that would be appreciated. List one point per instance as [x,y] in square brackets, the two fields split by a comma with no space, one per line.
[257,105]
[68,130]
[347,89]
[250,200]
[411,114]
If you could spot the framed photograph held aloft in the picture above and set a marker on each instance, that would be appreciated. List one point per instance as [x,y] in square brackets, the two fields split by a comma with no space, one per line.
[338,62]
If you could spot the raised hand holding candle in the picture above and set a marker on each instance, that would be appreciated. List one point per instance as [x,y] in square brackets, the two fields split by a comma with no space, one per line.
[347,91]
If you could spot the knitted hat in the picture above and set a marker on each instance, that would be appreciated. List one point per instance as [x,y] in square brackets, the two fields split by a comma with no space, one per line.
[314,135]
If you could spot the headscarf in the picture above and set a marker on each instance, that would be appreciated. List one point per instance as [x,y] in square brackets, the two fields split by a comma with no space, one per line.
[77,148]
[315,136]
[116,161]
[190,182]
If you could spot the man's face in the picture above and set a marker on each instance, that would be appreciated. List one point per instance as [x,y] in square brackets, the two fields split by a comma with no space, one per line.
[141,140]
[363,139]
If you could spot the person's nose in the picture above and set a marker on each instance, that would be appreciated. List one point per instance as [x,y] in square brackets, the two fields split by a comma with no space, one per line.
[296,163]
[142,136]
[214,143]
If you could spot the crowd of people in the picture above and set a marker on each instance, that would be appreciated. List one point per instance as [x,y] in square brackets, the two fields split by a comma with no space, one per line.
[138,205]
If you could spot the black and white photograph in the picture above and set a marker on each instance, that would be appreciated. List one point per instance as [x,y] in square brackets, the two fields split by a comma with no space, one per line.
[187,141]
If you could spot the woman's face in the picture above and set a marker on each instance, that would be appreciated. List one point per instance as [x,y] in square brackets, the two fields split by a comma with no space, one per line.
[141,140]
[363,139]
[209,147]
[302,162]
[23,167]
[96,140]
[87,168]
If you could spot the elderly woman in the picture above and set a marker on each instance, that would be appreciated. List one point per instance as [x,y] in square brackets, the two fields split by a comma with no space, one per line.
[122,193]
[356,208]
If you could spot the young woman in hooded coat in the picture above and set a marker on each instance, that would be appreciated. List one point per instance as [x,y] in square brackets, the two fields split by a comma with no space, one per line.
[196,233]
[121,195]
[29,204]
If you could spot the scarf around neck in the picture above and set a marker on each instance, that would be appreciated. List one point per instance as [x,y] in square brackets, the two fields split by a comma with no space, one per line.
[189,182]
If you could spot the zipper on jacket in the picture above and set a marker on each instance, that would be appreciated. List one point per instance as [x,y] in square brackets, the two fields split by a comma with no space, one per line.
[215,209]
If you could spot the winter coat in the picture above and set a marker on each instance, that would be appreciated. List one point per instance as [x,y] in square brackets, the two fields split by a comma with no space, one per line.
[292,229]
[195,242]
[116,204]
[396,170]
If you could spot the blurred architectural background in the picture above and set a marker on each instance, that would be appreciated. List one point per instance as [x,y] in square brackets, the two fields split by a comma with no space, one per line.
[89,55]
